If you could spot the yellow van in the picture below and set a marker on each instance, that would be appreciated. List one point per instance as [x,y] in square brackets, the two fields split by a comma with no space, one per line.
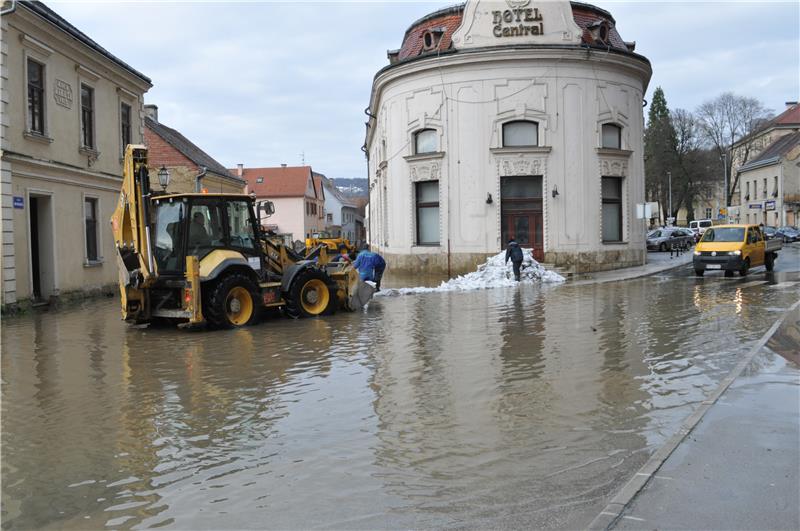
[733,248]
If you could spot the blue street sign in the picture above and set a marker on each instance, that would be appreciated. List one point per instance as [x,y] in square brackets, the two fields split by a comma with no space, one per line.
[19,202]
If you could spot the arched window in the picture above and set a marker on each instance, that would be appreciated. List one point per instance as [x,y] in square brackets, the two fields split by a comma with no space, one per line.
[425,141]
[612,136]
[520,134]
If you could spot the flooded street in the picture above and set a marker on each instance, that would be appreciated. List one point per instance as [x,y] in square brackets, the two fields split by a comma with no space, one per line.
[521,407]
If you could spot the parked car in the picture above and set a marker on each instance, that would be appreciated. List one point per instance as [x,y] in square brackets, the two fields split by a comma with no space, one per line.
[668,238]
[788,234]
[770,232]
[693,238]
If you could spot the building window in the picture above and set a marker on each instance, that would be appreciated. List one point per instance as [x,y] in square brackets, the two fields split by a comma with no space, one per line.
[35,97]
[520,134]
[612,209]
[755,189]
[708,213]
[425,141]
[765,188]
[87,116]
[259,180]
[427,212]
[330,218]
[125,124]
[775,186]
[747,192]
[90,220]
[612,136]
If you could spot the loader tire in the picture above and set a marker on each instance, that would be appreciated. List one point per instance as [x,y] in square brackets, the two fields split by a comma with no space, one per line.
[231,301]
[311,294]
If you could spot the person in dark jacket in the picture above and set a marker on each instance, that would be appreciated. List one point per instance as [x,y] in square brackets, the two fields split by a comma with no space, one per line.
[514,253]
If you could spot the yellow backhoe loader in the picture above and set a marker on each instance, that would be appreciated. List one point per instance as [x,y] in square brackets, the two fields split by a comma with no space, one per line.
[202,258]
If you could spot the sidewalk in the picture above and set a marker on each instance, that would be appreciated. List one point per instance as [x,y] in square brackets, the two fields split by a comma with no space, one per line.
[656,263]
[735,463]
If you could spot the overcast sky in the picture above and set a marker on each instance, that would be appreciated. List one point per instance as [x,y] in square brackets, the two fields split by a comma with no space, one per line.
[262,82]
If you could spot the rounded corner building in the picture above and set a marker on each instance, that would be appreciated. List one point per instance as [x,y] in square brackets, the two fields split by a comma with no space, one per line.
[501,118]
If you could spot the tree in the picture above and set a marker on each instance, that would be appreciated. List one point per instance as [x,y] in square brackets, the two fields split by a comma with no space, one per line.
[729,118]
[659,152]
[693,168]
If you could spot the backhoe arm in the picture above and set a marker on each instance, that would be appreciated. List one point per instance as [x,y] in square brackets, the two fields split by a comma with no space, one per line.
[130,225]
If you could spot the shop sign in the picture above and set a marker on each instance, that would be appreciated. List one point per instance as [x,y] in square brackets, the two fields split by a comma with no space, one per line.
[754,206]
[19,202]
[769,205]
[517,22]
[62,93]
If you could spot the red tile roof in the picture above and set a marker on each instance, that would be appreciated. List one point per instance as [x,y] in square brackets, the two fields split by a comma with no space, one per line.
[790,116]
[449,19]
[284,181]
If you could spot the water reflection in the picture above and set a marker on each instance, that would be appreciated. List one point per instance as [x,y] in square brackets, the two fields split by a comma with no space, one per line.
[519,407]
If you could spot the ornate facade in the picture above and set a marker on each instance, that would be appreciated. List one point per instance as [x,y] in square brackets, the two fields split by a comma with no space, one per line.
[480,129]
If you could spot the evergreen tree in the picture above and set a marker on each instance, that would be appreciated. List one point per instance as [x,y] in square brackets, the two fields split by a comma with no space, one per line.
[660,146]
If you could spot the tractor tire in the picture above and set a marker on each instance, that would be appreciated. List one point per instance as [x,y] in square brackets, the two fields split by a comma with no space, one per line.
[769,262]
[745,268]
[699,272]
[231,301]
[311,294]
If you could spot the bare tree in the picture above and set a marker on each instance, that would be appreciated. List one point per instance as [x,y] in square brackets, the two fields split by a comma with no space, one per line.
[695,176]
[726,120]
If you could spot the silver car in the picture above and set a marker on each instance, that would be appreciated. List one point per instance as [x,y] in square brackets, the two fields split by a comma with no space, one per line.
[669,238]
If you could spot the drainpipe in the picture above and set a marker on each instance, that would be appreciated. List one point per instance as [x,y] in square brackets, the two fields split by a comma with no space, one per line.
[198,179]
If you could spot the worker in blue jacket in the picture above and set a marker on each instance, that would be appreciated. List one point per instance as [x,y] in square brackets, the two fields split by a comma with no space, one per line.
[370,266]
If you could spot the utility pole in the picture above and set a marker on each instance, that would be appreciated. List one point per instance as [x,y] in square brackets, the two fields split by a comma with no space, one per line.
[669,181]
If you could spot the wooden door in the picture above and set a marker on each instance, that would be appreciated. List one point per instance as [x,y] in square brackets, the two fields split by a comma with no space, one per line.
[527,228]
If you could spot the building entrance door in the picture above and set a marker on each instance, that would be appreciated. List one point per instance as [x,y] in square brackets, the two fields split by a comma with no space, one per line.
[42,262]
[521,212]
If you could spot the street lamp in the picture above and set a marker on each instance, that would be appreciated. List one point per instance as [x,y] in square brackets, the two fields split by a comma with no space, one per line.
[163,177]
[669,181]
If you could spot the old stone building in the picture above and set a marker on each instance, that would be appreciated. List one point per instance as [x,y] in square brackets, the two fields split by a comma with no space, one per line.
[498,118]
[69,107]
[185,161]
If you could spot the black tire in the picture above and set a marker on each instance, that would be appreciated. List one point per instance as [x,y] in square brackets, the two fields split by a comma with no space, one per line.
[305,297]
[769,262]
[226,299]
[662,247]
[745,267]
[699,272]
[728,273]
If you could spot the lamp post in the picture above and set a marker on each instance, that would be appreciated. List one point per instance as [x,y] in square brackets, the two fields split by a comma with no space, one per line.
[669,181]
[163,178]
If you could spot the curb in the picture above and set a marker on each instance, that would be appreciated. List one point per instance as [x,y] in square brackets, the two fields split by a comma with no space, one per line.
[632,277]
[614,509]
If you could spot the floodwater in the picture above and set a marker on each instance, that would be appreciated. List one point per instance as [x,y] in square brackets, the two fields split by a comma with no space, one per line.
[516,407]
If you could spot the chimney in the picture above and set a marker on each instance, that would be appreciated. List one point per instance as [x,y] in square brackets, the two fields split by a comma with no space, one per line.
[790,104]
[151,111]
[240,170]
[283,165]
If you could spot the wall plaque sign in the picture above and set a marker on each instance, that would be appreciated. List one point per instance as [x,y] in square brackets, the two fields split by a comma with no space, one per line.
[62,93]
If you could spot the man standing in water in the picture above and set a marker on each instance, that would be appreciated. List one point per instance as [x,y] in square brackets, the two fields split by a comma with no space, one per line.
[370,266]
[514,252]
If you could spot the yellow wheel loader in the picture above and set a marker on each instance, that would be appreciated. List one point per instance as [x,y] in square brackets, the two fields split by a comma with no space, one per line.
[202,258]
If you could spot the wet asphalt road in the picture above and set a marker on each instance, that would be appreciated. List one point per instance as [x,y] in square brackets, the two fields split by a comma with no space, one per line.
[517,407]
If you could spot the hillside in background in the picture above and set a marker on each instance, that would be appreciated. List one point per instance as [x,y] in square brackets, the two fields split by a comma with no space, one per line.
[352,188]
